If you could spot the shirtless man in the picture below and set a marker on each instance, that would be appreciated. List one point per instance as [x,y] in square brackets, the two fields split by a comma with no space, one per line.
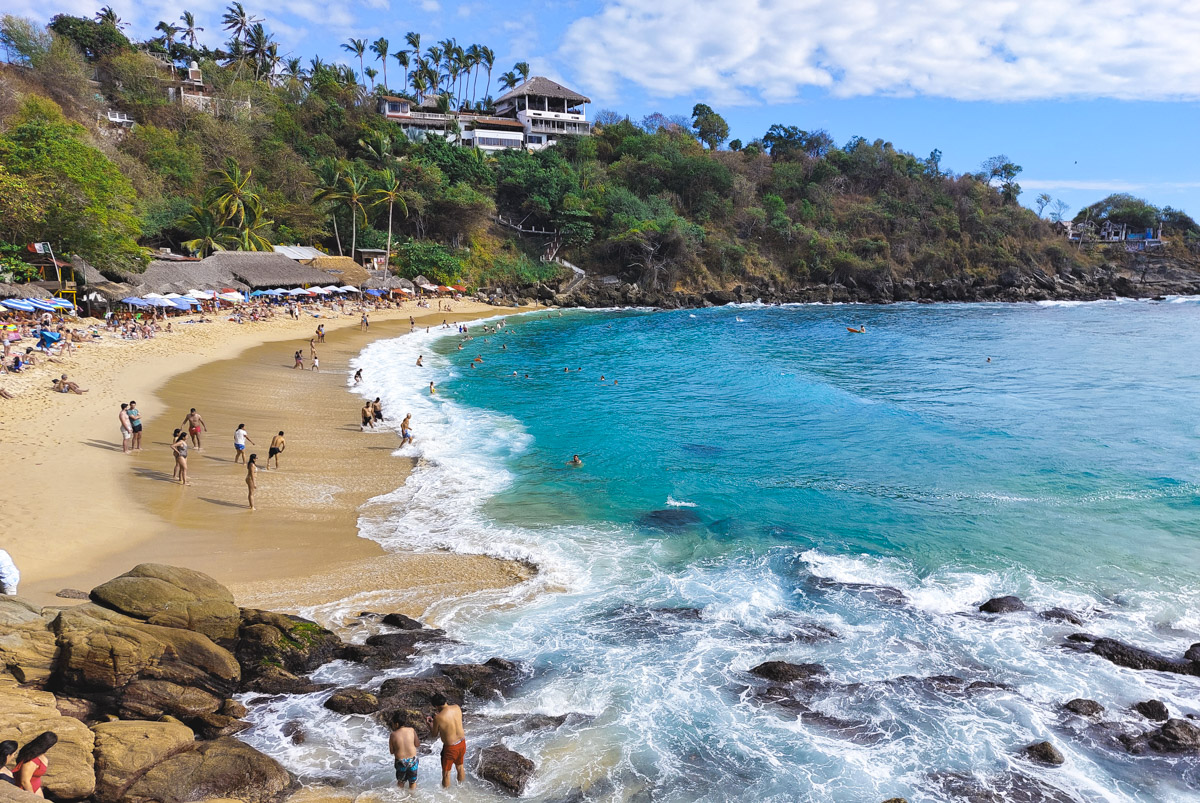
[368,417]
[126,428]
[194,423]
[446,724]
[278,444]
[377,410]
[405,431]
[403,745]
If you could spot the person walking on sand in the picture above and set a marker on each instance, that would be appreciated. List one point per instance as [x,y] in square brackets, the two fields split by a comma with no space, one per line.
[316,363]
[299,360]
[278,444]
[194,423]
[312,347]
[358,376]
[405,431]
[251,479]
[365,323]
[368,417]
[10,576]
[135,424]
[175,463]
[403,744]
[377,410]
[240,437]
[126,428]
[321,333]
[447,725]
[180,448]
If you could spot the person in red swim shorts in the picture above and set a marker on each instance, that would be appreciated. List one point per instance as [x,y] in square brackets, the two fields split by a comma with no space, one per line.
[447,725]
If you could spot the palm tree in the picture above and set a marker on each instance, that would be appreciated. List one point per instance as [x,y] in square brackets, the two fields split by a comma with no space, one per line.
[434,56]
[208,229]
[389,192]
[413,39]
[167,39]
[508,80]
[107,16]
[359,48]
[189,28]
[232,193]
[237,21]
[251,236]
[420,84]
[522,69]
[354,191]
[474,59]
[329,191]
[371,72]
[379,147]
[380,48]
[489,61]
[259,49]
[401,57]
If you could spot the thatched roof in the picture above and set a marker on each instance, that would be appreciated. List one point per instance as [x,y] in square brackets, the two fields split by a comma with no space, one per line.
[110,291]
[386,283]
[84,272]
[162,276]
[265,269]
[342,269]
[537,85]
[24,291]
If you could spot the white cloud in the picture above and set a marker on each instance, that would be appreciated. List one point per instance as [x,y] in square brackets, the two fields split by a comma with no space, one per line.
[739,50]
[1106,185]
[430,5]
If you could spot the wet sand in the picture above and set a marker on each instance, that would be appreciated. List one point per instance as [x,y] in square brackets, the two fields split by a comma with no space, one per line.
[301,547]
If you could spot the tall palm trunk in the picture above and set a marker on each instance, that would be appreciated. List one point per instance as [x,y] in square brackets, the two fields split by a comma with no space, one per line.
[337,236]
[389,245]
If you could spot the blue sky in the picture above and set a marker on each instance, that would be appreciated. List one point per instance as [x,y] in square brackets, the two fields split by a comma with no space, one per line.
[1089,96]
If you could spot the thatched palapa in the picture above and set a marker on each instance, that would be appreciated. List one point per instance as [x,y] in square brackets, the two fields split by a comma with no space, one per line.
[343,270]
[261,270]
[24,291]
[161,276]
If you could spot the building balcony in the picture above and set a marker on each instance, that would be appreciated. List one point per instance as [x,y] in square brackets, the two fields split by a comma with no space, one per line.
[542,126]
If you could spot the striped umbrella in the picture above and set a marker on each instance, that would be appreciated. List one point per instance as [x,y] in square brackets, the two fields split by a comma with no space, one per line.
[18,304]
[42,304]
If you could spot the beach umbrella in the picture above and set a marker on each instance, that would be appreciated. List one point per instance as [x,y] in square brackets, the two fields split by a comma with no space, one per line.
[259,293]
[172,295]
[62,303]
[20,305]
[231,297]
[42,304]
[459,288]
[153,295]
[299,292]
[179,303]
[320,291]
[157,302]
[374,293]
[350,289]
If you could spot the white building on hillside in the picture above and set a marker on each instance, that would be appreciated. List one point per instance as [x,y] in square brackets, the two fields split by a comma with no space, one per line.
[534,115]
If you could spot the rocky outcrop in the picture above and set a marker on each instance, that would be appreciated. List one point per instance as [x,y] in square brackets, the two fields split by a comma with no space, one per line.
[275,640]
[1131,657]
[508,770]
[1007,604]
[125,751]
[1044,753]
[1062,615]
[407,701]
[1175,737]
[784,672]
[171,596]
[353,701]
[1084,707]
[1154,710]
[28,650]
[24,713]
[486,680]
[225,768]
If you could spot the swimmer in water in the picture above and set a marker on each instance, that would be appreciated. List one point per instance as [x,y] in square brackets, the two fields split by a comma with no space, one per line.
[575,461]
[432,389]
[419,365]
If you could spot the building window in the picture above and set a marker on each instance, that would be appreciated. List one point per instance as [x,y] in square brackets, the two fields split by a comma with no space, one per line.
[393,107]
[496,142]
[534,139]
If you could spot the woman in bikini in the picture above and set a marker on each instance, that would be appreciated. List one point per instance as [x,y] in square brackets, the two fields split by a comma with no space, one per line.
[32,763]
[251,479]
[180,448]
[174,457]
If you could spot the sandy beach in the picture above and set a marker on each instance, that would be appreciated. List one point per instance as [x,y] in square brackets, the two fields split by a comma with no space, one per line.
[79,511]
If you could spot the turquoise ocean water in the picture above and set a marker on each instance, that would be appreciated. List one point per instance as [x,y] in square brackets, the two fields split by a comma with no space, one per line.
[759,484]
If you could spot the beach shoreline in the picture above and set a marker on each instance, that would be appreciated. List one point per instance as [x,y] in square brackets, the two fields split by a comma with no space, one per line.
[301,548]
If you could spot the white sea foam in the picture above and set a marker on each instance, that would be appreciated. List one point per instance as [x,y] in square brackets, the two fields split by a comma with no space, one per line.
[673,502]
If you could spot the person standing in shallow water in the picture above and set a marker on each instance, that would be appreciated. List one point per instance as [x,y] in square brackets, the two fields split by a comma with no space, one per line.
[403,744]
[251,480]
[180,448]
[446,724]
[278,444]
[135,423]
[240,436]
[194,423]
[405,430]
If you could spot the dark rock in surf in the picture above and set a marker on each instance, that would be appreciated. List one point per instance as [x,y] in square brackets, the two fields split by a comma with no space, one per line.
[785,672]
[214,726]
[407,701]
[353,701]
[1154,710]
[293,731]
[1062,615]
[505,768]
[403,622]
[885,595]
[1132,657]
[676,518]
[1176,736]
[1084,707]
[484,680]
[896,800]
[1007,604]
[273,680]
[1193,653]
[1044,753]
[1005,787]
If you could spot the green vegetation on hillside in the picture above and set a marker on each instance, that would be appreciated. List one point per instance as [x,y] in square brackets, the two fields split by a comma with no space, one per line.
[294,152]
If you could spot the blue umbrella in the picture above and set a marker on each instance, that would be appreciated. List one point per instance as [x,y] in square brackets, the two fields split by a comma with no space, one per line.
[62,303]
[180,304]
[133,301]
[45,306]
[258,293]
[17,304]
[374,293]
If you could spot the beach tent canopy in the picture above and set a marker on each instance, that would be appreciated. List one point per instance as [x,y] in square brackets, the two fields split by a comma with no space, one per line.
[204,294]
[180,304]
[458,287]
[153,295]
[18,304]
[299,292]
[231,297]
[350,289]
[374,292]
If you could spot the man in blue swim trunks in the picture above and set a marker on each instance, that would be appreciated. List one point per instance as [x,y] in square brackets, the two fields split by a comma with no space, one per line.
[403,745]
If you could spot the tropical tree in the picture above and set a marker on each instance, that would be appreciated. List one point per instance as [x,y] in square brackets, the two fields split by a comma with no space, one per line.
[379,148]
[434,69]
[232,193]
[371,72]
[420,85]
[251,235]
[238,21]
[521,68]
[1041,202]
[390,192]
[380,48]
[106,16]
[189,28]
[329,192]
[354,194]
[359,48]
[168,32]
[413,39]
[402,58]
[207,228]
[711,128]
[261,50]
[508,80]
[488,58]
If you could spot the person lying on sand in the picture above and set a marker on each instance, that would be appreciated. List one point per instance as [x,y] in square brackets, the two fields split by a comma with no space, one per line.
[63,386]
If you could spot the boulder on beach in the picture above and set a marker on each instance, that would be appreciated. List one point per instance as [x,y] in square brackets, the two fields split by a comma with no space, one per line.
[352,701]
[1062,615]
[225,768]
[403,622]
[1008,604]
[297,645]
[172,597]
[127,750]
[25,713]
[28,648]
[505,768]
[485,680]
